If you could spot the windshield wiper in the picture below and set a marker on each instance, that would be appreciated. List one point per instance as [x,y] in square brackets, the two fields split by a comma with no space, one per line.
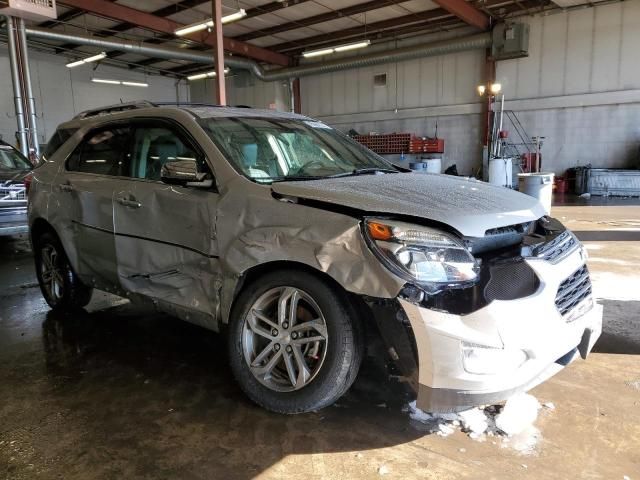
[363,171]
[293,178]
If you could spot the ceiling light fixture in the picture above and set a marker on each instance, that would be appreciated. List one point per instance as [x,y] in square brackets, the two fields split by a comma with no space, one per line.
[94,58]
[199,26]
[200,76]
[120,82]
[337,49]
[352,46]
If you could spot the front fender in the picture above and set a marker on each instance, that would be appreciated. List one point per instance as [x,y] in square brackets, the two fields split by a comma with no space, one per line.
[255,229]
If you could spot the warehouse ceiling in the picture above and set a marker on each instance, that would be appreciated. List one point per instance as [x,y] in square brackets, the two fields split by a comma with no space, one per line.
[273,31]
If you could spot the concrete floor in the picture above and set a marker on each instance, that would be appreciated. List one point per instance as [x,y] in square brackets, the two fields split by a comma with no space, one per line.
[118,392]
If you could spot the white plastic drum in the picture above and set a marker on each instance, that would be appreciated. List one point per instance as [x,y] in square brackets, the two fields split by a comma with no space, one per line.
[501,172]
[538,185]
[433,165]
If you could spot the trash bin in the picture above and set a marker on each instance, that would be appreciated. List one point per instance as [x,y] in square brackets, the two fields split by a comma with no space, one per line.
[501,172]
[538,185]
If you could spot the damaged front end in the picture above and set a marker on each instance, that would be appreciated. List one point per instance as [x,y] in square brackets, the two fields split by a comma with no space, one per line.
[498,324]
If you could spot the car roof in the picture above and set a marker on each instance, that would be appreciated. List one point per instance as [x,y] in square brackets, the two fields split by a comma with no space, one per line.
[198,110]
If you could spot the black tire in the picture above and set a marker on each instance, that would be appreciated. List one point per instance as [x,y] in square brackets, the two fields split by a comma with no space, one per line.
[70,293]
[343,344]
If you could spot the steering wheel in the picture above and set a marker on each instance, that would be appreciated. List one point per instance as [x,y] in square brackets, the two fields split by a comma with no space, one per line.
[303,168]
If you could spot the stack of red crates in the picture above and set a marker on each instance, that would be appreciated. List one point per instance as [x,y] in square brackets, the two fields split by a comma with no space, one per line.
[395,143]
[386,144]
[426,145]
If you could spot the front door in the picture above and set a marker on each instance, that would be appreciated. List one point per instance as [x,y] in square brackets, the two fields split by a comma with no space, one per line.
[165,242]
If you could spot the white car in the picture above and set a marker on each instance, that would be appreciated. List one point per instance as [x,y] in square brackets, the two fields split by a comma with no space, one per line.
[299,244]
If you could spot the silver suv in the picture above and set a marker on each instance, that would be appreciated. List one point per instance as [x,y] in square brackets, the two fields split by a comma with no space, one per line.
[299,244]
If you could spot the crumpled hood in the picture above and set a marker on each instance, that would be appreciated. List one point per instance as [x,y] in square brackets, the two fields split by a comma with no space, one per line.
[469,206]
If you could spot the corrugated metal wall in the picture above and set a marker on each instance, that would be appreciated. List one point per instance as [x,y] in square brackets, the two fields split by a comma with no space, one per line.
[579,87]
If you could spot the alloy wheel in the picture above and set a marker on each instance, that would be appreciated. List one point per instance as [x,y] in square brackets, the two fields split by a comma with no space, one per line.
[52,272]
[284,339]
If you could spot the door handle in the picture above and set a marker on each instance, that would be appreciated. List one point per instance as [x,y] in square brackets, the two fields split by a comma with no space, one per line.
[66,187]
[128,203]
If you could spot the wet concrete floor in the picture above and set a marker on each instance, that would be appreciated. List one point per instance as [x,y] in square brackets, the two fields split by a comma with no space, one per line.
[121,392]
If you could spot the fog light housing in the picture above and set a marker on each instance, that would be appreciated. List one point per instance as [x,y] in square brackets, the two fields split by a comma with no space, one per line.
[484,360]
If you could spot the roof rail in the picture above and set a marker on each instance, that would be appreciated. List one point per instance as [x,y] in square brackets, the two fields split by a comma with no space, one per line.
[119,107]
[187,104]
[122,107]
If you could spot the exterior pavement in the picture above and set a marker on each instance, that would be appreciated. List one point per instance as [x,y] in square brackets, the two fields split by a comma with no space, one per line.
[120,392]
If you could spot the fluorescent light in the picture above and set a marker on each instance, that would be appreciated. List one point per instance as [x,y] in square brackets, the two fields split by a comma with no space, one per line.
[352,46]
[196,27]
[102,80]
[199,26]
[232,17]
[75,64]
[339,48]
[200,76]
[94,58]
[317,53]
[136,84]
[120,82]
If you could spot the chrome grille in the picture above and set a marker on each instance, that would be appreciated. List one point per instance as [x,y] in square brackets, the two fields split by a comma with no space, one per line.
[558,248]
[573,290]
[12,193]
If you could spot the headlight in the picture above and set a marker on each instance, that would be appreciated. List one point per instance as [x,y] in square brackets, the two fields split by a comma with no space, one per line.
[421,254]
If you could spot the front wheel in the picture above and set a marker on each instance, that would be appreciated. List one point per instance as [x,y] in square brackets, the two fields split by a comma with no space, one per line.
[294,342]
[60,286]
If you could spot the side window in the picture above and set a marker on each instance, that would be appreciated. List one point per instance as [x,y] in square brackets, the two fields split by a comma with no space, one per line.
[56,141]
[153,146]
[102,152]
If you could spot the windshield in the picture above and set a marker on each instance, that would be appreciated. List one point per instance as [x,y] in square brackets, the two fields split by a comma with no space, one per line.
[11,159]
[268,150]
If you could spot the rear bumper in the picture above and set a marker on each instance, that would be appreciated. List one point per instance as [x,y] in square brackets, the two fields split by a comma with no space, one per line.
[501,349]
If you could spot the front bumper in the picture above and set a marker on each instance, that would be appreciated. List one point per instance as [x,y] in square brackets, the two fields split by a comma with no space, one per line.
[503,348]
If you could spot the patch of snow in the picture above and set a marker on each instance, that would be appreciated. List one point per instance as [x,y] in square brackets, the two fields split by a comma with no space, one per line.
[519,412]
[512,423]
[475,421]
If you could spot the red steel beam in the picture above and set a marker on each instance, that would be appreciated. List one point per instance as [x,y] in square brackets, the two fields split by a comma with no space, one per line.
[146,20]
[466,12]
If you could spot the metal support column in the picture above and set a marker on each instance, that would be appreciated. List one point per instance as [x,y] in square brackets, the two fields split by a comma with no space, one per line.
[221,92]
[27,89]
[297,106]
[17,85]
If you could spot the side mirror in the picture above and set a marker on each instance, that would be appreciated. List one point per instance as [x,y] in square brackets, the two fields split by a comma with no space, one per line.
[184,172]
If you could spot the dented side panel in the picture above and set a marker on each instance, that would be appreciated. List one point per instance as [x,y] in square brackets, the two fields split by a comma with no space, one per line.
[166,247]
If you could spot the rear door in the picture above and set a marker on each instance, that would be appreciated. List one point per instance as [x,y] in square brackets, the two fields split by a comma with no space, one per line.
[165,243]
[85,193]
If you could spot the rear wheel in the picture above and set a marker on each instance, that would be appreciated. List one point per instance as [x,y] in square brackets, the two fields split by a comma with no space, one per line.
[294,342]
[60,286]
